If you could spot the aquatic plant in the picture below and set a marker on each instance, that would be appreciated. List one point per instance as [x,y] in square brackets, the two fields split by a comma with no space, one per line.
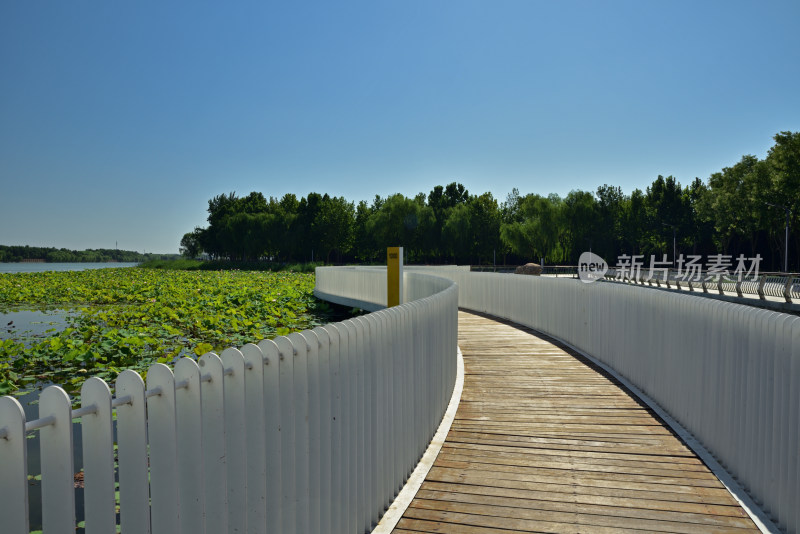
[131,318]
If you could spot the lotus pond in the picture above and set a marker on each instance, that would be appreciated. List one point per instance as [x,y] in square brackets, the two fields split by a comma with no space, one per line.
[99,322]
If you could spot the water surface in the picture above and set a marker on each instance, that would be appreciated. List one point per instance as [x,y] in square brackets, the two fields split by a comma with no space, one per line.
[41,267]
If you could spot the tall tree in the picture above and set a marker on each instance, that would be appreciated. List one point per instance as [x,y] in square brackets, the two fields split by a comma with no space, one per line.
[485,218]
[334,226]
[534,235]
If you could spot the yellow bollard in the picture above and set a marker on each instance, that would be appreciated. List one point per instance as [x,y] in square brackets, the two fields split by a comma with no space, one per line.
[394,276]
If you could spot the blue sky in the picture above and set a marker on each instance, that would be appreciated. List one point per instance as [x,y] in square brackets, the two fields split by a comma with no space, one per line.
[120,119]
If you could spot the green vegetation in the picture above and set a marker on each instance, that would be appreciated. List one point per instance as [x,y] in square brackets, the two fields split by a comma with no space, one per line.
[729,213]
[131,318]
[188,264]
[55,255]
[178,264]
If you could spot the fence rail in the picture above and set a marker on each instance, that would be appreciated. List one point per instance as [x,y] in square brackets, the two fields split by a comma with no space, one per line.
[729,373]
[786,286]
[312,432]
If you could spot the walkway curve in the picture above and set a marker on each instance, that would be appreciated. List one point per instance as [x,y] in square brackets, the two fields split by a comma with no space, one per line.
[545,441]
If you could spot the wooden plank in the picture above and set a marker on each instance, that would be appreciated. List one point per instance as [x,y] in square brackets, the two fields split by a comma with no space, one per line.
[606,455]
[543,441]
[418,525]
[528,459]
[623,508]
[604,472]
[494,473]
[565,493]
[595,523]
[558,447]
[451,518]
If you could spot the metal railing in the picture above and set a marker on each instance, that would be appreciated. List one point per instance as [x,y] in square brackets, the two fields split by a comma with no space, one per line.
[311,432]
[783,285]
[728,373]
[570,271]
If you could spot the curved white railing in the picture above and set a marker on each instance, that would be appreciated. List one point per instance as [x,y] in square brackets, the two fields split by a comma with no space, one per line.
[728,373]
[312,432]
[249,439]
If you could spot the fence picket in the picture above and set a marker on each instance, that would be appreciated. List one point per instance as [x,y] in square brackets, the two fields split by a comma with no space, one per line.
[382,461]
[794,432]
[314,424]
[335,458]
[360,354]
[134,487]
[55,441]
[324,404]
[98,458]
[161,431]
[189,436]
[349,491]
[235,443]
[13,467]
[301,432]
[215,459]
[273,434]
[287,435]
[256,451]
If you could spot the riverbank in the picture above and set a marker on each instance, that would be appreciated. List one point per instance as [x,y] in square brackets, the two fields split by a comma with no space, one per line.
[185,264]
[38,267]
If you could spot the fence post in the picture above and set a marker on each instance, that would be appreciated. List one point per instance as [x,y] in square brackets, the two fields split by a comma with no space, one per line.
[761,283]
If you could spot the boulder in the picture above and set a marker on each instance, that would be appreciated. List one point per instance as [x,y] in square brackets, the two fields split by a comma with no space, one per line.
[529,268]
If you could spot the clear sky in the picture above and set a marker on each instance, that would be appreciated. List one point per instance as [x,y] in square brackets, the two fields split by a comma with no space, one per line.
[119,119]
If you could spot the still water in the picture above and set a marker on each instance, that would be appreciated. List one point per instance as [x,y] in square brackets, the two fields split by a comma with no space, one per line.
[40,267]
[29,325]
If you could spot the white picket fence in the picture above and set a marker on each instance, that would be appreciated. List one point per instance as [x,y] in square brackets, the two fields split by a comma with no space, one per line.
[321,441]
[728,373]
[312,432]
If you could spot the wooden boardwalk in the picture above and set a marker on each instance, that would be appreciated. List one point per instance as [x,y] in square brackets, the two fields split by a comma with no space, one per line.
[545,442]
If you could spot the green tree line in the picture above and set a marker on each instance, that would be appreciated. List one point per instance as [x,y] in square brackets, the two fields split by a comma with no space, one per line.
[17,253]
[738,210]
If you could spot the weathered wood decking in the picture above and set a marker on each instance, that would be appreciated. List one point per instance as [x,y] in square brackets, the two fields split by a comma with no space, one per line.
[544,442]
